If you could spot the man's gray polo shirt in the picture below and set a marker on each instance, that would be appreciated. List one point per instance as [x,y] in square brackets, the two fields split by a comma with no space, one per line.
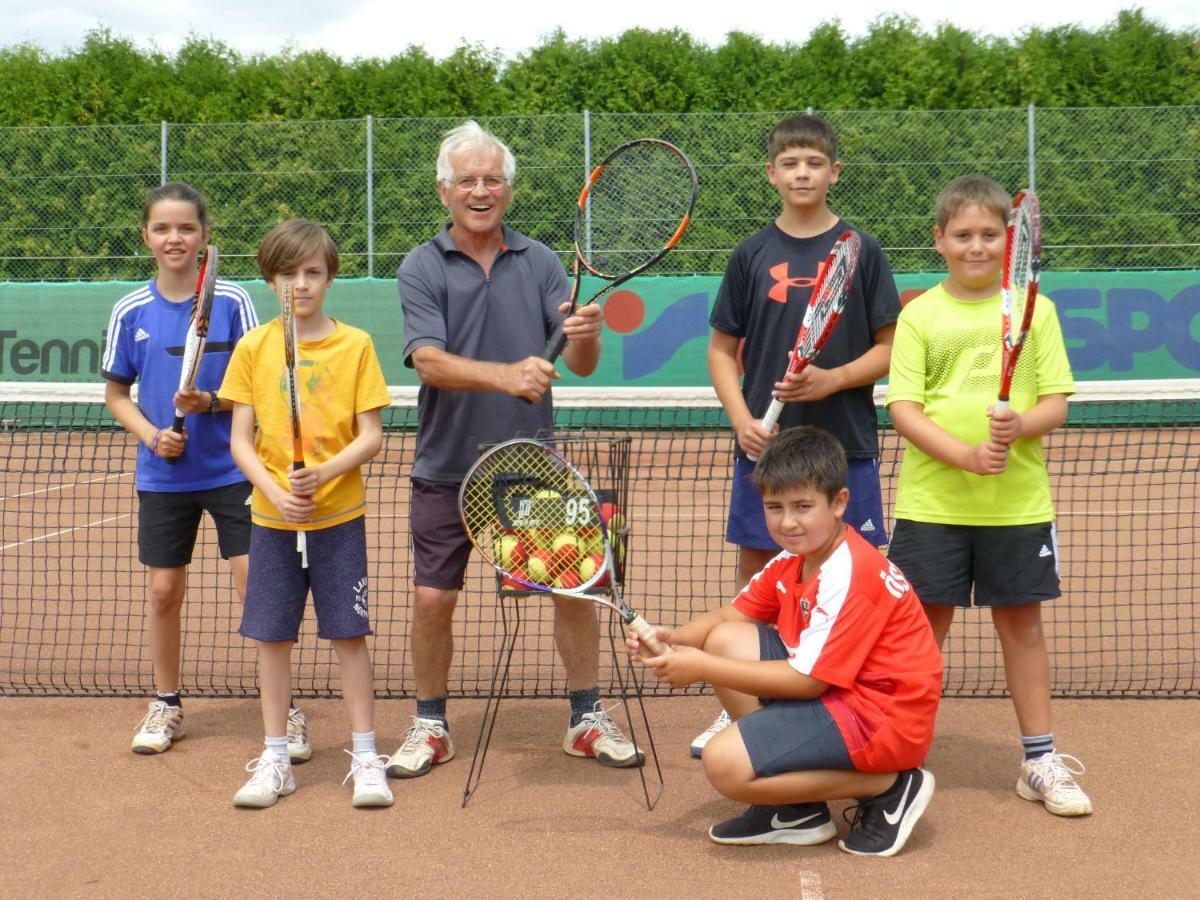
[503,317]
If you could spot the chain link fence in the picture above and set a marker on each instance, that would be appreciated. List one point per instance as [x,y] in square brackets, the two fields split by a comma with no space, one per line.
[1120,188]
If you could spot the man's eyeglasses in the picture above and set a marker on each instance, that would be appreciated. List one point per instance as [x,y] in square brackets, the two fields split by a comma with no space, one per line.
[467,183]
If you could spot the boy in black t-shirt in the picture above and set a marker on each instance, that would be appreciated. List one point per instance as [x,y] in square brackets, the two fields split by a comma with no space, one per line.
[759,308]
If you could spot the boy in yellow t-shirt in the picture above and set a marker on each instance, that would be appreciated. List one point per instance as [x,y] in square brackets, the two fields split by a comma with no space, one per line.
[341,390]
[974,514]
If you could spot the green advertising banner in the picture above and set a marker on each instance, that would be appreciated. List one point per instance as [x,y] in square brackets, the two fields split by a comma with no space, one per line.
[1118,326]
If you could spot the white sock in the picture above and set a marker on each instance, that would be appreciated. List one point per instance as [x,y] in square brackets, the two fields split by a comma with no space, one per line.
[278,746]
[364,743]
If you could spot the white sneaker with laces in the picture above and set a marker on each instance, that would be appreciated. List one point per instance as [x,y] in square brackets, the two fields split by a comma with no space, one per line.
[270,779]
[370,779]
[426,744]
[598,737]
[1050,779]
[720,723]
[299,749]
[160,726]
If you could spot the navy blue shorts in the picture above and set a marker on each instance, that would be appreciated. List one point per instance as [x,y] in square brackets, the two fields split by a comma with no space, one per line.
[790,735]
[748,525]
[440,546]
[278,585]
[1007,565]
[169,520]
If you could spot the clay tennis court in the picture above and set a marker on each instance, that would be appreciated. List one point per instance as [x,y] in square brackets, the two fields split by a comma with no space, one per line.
[85,817]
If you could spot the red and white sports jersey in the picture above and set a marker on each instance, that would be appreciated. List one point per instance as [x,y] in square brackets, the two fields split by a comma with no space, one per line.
[858,626]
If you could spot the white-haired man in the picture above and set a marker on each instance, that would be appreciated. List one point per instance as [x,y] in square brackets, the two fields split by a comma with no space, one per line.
[480,301]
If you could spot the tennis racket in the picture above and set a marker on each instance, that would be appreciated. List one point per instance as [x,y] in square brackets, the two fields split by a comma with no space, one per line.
[633,209]
[1019,284]
[287,318]
[825,306]
[197,333]
[537,521]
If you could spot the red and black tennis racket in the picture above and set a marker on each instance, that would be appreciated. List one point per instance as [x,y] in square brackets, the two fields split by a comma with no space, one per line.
[534,517]
[1019,285]
[197,333]
[825,306]
[287,318]
[633,210]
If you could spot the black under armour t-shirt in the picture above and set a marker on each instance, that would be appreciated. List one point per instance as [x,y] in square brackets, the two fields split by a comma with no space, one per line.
[762,299]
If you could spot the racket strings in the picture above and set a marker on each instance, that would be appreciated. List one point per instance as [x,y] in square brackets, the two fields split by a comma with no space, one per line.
[634,208]
[531,516]
[830,296]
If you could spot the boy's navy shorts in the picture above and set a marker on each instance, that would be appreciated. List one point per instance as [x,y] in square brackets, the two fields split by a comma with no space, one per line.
[278,585]
[169,520]
[790,735]
[748,524]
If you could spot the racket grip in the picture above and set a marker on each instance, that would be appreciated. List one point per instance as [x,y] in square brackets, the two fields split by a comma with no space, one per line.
[769,420]
[646,635]
[1001,405]
[554,349]
[554,346]
[177,427]
[302,548]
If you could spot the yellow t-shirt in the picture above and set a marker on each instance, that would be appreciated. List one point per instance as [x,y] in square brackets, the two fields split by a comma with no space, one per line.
[946,356]
[339,377]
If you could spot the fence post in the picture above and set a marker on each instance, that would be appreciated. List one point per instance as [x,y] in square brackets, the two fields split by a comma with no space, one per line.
[1032,150]
[370,196]
[162,159]
[587,170]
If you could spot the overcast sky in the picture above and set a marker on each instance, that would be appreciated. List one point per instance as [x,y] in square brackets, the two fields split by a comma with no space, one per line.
[354,28]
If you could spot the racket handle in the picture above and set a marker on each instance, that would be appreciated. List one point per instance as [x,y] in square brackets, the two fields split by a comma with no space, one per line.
[302,548]
[769,420]
[177,427]
[1001,405]
[645,632]
[554,349]
[554,346]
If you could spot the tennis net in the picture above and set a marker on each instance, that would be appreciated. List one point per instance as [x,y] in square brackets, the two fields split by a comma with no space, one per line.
[72,594]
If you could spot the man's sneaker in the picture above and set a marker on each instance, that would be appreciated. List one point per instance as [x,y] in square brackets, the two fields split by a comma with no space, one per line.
[270,779]
[162,725]
[370,779]
[720,723]
[299,749]
[426,744]
[881,825]
[796,823]
[597,736]
[1051,779]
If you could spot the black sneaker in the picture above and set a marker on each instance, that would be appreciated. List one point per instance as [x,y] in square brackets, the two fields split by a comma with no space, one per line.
[881,825]
[796,823]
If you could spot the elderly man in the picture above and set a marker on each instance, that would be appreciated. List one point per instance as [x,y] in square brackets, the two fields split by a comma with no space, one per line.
[480,301]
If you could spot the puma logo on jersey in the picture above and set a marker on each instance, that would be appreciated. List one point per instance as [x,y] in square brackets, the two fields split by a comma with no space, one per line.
[1045,551]
[141,335]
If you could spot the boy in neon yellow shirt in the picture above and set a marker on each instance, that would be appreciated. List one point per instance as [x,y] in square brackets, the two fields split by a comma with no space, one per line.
[341,390]
[974,516]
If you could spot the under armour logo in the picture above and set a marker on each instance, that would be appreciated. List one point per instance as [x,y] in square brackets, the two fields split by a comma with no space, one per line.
[783,281]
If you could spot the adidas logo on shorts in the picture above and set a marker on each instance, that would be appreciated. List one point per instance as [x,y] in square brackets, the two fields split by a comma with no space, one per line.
[867,526]
[141,335]
[1045,551]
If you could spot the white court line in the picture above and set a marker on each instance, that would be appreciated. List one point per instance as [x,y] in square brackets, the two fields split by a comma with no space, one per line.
[46,537]
[62,487]
[810,886]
